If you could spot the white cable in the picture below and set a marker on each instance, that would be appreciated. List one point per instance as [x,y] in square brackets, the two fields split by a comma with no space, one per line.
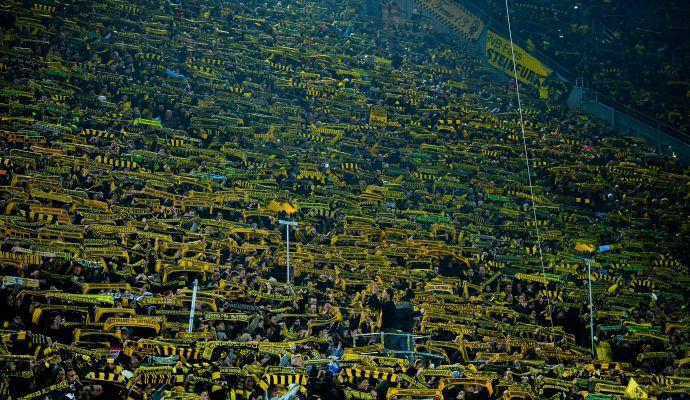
[529,169]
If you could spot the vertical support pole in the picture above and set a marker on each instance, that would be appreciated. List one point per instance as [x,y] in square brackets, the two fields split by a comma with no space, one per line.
[410,348]
[288,255]
[591,306]
[193,307]
[288,224]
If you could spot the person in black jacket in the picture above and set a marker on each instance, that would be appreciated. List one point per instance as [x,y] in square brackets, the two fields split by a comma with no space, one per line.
[404,313]
[384,302]
[395,317]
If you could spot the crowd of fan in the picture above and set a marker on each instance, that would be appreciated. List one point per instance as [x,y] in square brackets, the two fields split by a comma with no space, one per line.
[636,53]
[151,146]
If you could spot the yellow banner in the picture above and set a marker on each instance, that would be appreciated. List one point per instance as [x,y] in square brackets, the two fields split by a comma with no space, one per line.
[455,16]
[634,390]
[530,71]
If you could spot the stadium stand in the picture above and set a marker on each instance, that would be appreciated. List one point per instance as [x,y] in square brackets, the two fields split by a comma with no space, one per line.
[635,53]
[150,148]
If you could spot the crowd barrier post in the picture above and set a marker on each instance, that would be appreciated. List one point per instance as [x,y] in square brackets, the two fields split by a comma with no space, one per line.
[288,224]
[190,327]
[589,262]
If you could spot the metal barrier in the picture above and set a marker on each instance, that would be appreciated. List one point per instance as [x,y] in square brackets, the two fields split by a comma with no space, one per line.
[409,341]
[624,120]
[619,116]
